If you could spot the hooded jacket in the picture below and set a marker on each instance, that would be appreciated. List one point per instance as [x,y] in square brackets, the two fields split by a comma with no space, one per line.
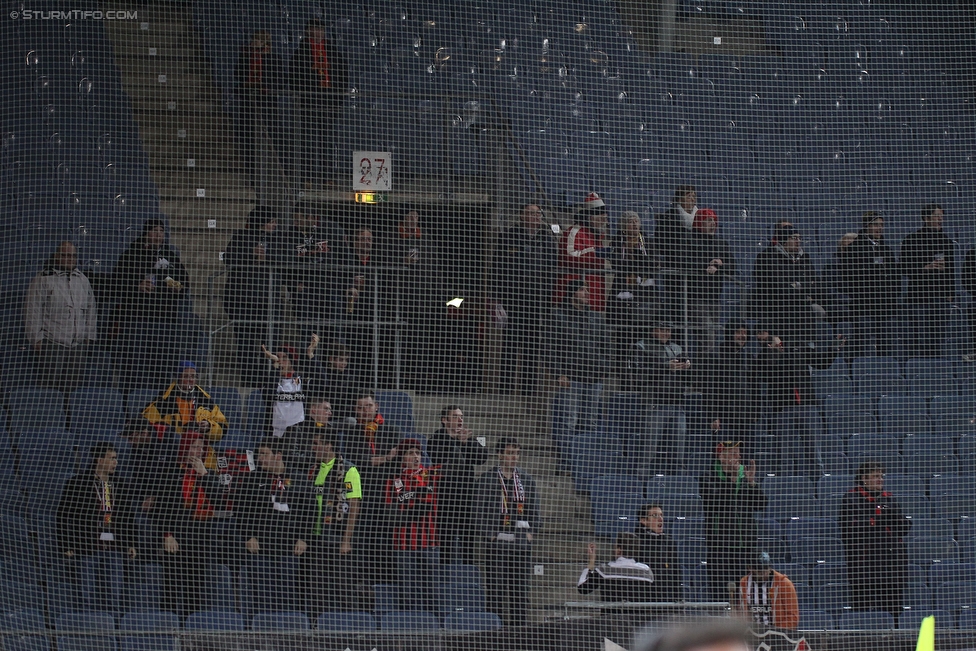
[60,308]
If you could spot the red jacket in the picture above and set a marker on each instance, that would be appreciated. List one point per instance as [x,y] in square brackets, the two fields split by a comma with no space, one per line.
[412,497]
[577,251]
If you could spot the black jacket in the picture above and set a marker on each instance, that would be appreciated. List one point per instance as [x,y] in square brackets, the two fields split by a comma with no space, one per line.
[659,553]
[785,285]
[920,249]
[729,381]
[457,476]
[493,521]
[873,281]
[787,373]
[702,286]
[579,345]
[246,290]
[276,530]
[674,243]
[523,269]
[652,373]
[305,80]
[139,263]
[80,518]
[357,450]
[730,505]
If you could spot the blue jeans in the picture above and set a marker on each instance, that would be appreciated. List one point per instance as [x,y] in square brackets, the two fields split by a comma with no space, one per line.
[666,445]
[575,409]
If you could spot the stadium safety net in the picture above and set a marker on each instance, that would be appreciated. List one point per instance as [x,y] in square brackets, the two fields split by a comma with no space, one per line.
[486,324]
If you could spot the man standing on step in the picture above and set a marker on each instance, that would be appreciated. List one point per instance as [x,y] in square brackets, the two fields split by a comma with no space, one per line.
[457,454]
[510,518]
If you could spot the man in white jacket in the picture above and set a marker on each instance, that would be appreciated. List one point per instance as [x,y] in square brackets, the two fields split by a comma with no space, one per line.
[60,319]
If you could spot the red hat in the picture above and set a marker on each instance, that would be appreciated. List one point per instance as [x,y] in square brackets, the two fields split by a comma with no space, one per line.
[701,216]
[410,444]
[593,200]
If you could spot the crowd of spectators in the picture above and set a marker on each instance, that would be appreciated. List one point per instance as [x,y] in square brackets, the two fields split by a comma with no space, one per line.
[585,306]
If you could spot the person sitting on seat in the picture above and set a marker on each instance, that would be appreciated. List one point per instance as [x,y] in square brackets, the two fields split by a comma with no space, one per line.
[767,597]
[622,579]
[184,402]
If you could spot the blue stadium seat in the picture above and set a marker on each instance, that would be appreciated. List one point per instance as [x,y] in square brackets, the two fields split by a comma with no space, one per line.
[591,455]
[816,551]
[846,415]
[101,622]
[966,622]
[17,550]
[815,620]
[952,416]
[834,485]
[926,551]
[811,528]
[386,598]
[865,621]
[900,416]
[694,582]
[929,377]
[683,528]
[96,411]
[831,382]
[931,528]
[150,620]
[615,501]
[661,486]
[940,573]
[835,598]
[782,507]
[788,486]
[346,621]
[267,584]
[409,620]
[472,622]
[626,420]
[683,506]
[215,620]
[877,376]
[905,485]
[24,619]
[280,620]
[397,410]
[32,408]
[691,551]
[927,444]
[17,595]
[459,573]
[952,596]
[143,587]
[255,414]
[138,399]
[827,573]
[461,597]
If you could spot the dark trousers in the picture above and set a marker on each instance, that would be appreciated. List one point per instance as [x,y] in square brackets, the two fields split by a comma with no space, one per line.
[61,367]
[725,566]
[185,573]
[318,134]
[930,322]
[457,533]
[101,577]
[521,351]
[258,110]
[507,578]
[872,332]
[327,580]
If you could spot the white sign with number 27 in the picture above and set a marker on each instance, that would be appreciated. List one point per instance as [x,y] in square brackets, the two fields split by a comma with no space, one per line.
[372,170]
